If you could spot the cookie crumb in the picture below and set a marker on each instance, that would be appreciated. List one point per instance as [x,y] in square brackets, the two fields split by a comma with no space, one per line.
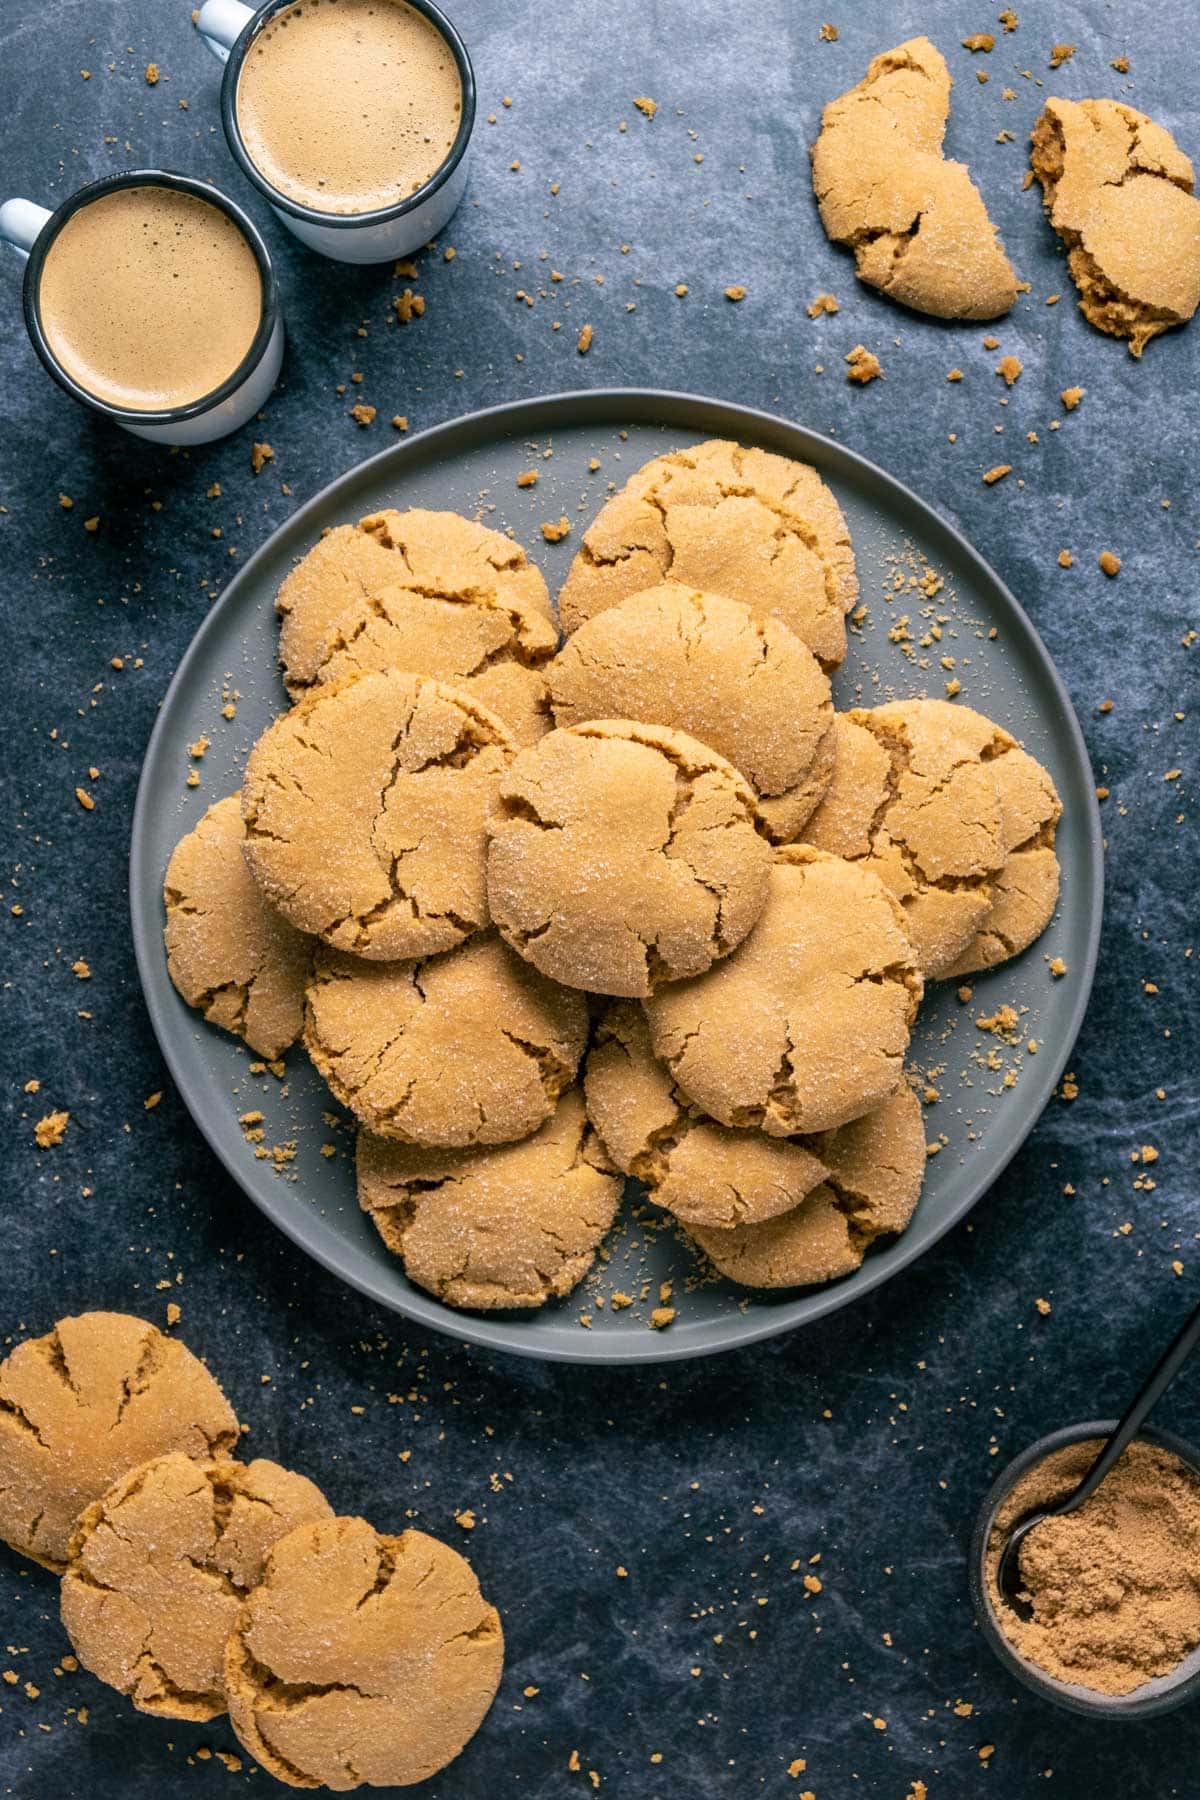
[735,293]
[363,415]
[555,531]
[979,40]
[527,478]
[1120,64]
[645,105]
[1071,397]
[151,74]
[863,365]
[583,342]
[991,476]
[1065,560]
[260,456]
[1061,53]
[1109,562]
[828,33]
[50,1130]
[661,1317]
[1011,368]
[822,303]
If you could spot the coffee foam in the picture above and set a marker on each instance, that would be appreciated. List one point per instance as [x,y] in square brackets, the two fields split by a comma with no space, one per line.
[150,297]
[349,106]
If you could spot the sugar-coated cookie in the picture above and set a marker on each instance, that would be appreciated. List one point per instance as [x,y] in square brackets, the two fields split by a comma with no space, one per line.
[508,1225]
[473,1047]
[449,561]
[158,1568]
[914,797]
[361,1659]
[229,953]
[621,856]
[875,1167]
[1025,892]
[757,527]
[915,220]
[704,1173]
[364,809]
[97,1396]
[1118,190]
[706,665]
[806,1025]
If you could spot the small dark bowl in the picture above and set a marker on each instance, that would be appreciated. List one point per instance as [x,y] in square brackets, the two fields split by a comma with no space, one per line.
[1162,1694]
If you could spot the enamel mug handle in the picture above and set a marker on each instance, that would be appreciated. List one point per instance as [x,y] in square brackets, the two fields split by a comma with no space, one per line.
[221,23]
[20,223]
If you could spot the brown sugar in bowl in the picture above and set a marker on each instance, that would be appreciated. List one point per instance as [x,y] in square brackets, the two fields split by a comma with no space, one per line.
[1156,1695]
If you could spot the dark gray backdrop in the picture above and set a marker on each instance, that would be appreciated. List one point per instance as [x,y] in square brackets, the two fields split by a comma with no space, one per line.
[872,1439]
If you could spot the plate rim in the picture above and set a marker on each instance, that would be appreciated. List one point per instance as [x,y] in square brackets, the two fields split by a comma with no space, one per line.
[499,1331]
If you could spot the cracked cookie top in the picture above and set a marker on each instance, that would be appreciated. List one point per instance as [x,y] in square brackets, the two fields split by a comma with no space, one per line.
[1025,892]
[875,1167]
[159,1567]
[361,1659]
[914,796]
[703,1173]
[364,809]
[624,855]
[915,221]
[1118,190]
[473,1047]
[703,664]
[471,639]
[94,1398]
[513,1225]
[742,522]
[806,1026]
[228,952]
[442,559]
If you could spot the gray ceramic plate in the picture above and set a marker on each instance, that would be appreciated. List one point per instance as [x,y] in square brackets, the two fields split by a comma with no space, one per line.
[983,1114]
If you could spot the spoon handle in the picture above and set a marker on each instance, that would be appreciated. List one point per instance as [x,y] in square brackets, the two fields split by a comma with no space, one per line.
[1148,1395]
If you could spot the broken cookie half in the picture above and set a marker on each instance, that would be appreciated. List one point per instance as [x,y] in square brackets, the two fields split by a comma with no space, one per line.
[915,220]
[1119,192]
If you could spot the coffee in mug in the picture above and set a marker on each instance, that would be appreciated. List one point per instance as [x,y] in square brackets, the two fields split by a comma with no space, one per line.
[349,106]
[150,298]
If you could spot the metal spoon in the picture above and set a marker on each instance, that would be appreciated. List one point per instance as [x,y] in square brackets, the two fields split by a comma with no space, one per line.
[1008,1574]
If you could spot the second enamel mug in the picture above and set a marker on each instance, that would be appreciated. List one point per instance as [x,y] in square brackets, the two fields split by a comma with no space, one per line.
[367,232]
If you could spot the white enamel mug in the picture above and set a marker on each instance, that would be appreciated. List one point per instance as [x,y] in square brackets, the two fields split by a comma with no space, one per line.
[31,229]
[229,29]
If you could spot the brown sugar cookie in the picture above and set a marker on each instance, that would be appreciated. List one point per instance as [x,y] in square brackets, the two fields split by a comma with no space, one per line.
[473,1047]
[361,1659]
[229,953]
[703,1173]
[915,220]
[703,664]
[1118,190]
[80,1407]
[623,855]
[875,1167]
[914,796]
[743,522]
[159,1567]
[806,1026]
[509,1226]
[436,555]
[469,639]
[1025,892]
[364,810]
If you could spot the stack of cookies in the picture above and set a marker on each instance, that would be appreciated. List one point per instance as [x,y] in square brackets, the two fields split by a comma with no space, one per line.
[196,1584]
[465,854]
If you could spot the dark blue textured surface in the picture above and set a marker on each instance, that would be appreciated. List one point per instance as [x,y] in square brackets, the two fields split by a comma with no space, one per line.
[871,1440]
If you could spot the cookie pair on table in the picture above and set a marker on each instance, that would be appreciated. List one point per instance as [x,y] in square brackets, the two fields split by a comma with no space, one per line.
[430,898]
[197,1584]
[1117,189]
